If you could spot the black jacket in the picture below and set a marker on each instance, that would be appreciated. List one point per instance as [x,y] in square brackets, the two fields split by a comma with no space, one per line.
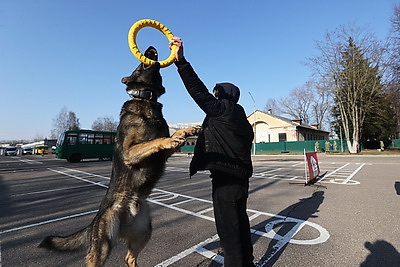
[224,145]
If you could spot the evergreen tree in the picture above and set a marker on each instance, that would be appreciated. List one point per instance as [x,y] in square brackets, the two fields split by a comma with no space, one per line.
[379,124]
[357,90]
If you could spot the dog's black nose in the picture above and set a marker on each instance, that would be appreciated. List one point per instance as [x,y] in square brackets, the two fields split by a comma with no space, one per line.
[125,80]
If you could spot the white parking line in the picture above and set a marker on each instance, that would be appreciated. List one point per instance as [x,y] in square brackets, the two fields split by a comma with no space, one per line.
[354,173]
[29,161]
[79,178]
[158,196]
[50,190]
[48,221]
[189,251]
[342,175]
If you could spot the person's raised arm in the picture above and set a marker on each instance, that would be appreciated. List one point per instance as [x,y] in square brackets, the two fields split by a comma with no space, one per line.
[179,47]
[195,87]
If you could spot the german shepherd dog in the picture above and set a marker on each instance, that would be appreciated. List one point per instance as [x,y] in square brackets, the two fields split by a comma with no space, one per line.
[142,148]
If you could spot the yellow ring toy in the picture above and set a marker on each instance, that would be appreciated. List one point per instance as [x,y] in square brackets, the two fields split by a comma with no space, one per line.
[136,27]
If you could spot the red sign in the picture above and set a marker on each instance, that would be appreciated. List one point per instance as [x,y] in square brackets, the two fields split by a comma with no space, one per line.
[313,167]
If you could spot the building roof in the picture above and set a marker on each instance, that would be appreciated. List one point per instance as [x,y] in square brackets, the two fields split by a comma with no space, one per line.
[294,123]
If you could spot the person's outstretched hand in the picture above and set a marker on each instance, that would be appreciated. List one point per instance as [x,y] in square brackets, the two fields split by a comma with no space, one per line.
[179,47]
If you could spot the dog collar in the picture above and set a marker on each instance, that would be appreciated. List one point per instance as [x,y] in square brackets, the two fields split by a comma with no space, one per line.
[140,94]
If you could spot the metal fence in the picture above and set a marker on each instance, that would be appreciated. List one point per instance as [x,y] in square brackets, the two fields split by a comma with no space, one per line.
[336,145]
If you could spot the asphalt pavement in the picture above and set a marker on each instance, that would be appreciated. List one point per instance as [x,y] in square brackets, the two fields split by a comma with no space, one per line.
[349,218]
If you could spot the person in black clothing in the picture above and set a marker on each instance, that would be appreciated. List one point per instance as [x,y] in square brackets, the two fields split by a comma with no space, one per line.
[224,148]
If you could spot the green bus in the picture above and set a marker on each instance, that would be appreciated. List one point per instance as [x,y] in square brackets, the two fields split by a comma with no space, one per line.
[75,145]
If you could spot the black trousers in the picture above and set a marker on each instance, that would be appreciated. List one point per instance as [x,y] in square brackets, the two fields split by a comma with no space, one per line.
[230,204]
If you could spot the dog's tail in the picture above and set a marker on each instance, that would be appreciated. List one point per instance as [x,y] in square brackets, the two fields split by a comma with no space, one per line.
[78,240]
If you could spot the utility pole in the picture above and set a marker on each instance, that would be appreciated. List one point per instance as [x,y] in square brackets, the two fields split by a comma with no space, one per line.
[255,127]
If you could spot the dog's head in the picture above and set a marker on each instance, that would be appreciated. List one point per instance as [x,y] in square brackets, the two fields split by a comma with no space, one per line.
[145,81]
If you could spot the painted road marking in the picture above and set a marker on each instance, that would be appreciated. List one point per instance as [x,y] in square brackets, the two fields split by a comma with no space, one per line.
[29,161]
[354,173]
[346,177]
[50,190]
[195,248]
[47,222]
[158,196]
[77,177]
[341,175]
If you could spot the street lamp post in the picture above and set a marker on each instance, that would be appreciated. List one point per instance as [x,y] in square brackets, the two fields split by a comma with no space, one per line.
[255,120]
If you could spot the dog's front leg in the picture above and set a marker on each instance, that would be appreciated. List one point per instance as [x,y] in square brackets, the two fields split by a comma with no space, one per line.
[184,133]
[138,152]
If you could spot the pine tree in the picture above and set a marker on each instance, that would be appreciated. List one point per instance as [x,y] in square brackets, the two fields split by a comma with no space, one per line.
[357,89]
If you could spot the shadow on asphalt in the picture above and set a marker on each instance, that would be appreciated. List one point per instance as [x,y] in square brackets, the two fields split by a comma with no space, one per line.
[382,254]
[5,202]
[397,187]
[304,209]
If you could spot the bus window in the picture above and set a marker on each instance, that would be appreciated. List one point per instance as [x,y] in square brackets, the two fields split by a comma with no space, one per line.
[86,138]
[108,139]
[98,139]
[83,138]
[60,139]
[90,140]
[71,140]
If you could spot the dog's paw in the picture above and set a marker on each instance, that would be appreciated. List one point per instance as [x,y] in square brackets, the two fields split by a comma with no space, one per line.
[178,141]
[195,130]
[173,143]
[183,133]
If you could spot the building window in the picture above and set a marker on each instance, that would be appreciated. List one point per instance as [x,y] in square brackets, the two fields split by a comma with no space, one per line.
[282,137]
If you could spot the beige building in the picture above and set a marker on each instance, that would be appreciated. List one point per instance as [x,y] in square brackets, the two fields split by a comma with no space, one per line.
[272,128]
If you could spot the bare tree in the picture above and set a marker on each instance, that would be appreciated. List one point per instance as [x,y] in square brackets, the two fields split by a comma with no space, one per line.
[65,120]
[297,104]
[351,60]
[393,86]
[322,104]
[272,107]
[310,103]
[106,123]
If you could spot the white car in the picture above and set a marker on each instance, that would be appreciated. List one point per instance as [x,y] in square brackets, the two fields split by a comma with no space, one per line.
[27,151]
[10,151]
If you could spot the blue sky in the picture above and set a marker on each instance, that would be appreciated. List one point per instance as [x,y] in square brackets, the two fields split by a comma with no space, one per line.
[73,54]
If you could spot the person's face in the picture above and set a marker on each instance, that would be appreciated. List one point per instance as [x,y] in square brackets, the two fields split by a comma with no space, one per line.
[215,91]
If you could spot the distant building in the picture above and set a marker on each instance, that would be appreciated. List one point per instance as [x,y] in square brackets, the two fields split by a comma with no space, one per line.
[271,128]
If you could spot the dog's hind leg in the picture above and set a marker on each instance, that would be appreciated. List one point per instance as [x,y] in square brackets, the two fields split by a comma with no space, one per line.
[135,246]
[137,232]
[105,232]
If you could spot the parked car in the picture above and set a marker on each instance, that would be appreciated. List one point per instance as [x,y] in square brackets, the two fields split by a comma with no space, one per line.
[27,151]
[10,151]
[41,150]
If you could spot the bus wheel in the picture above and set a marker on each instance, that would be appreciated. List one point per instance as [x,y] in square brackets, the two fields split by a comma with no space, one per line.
[75,158]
